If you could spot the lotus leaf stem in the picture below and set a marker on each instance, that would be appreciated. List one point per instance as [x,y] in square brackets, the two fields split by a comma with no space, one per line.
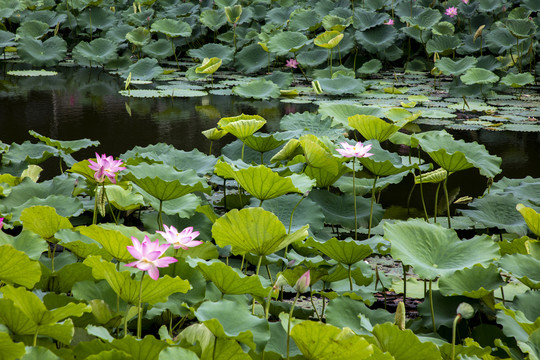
[94,217]
[36,335]
[435,210]
[110,206]
[214,349]
[422,191]
[447,201]
[354,200]
[431,307]
[350,278]
[454,326]
[409,200]
[269,273]
[210,150]
[267,307]
[371,207]
[289,323]
[404,267]
[257,274]
[160,218]
[313,304]
[139,309]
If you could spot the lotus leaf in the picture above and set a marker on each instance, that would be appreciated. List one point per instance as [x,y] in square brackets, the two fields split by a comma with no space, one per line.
[364,20]
[209,66]
[302,212]
[454,68]
[434,251]
[475,282]
[11,350]
[31,73]
[312,57]
[263,142]
[426,19]
[532,218]
[38,53]
[328,39]
[242,125]
[139,37]
[64,206]
[372,66]
[372,127]
[341,112]
[310,123]
[213,19]
[17,268]
[521,28]
[433,177]
[443,44]
[524,267]
[285,42]
[171,28]
[254,230]
[225,53]
[346,251]
[518,80]
[478,76]
[32,29]
[384,163]
[230,282]
[403,344]
[257,89]
[99,51]
[144,69]
[377,39]
[96,18]
[66,146]
[44,221]
[6,39]
[253,58]
[160,49]
[342,85]
[233,13]
[304,19]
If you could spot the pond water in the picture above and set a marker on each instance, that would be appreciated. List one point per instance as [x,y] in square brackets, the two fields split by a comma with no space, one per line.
[85,103]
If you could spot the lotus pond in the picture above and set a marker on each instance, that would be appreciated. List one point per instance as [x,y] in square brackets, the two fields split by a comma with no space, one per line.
[269,180]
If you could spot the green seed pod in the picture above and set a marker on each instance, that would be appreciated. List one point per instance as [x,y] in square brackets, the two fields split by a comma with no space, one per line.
[465,310]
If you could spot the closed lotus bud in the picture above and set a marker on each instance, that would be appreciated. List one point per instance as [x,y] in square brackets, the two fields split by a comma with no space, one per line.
[465,310]
[400,316]
[281,281]
[302,285]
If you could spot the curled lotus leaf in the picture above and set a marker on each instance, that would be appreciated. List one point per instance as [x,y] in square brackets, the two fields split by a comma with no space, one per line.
[431,177]
[242,125]
[373,127]
[328,39]
[214,133]
[452,67]
[233,13]
[532,218]
[17,268]
[209,66]
[139,36]
[383,162]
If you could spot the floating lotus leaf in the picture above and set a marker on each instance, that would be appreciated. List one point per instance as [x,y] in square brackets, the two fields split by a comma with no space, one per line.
[443,44]
[209,66]
[171,28]
[230,282]
[310,123]
[475,282]
[254,230]
[434,251]
[384,163]
[46,53]
[372,66]
[44,221]
[288,41]
[32,73]
[342,85]
[303,19]
[532,218]
[328,39]
[524,267]
[281,79]
[213,19]
[257,89]
[242,125]
[17,268]
[403,344]
[401,116]
[346,251]
[479,76]
[233,13]
[454,68]
[455,155]
[162,93]
[144,69]
[303,212]
[326,342]
[339,209]
[226,53]
[228,319]
[372,127]
[377,39]
[518,80]
[341,112]
[153,291]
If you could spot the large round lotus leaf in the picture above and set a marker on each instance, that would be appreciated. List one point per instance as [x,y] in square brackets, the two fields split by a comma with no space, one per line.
[211,50]
[341,112]
[213,19]
[532,218]
[228,319]
[160,49]
[68,146]
[278,15]
[257,89]
[303,19]
[455,155]
[113,241]
[44,221]
[209,66]
[403,344]
[372,127]
[29,153]
[144,69]
[254,230]
[531,5]
[164,182]
[17,268]
[318,341]
[479,76]
[284,42]
[521,28]
[171,28]
[231,282]
[425,20]
[475,282]
[372,66]
[377,39]
[96,18]
[434,251]
[323,177]
[242,125]
[64,205]
[499,211]
[455,68]
[253,58]
[46,53]
[309,123]
[443,44]
[500,40]
[524,267]
[99,51]
[302,212]
[339,209]
[312,57]
[280,78]
[139,37]
[342,85]
[383,162]
[518,80]
[34,29]
[328,39]
[528,303]
[346,251]
[118,33]
[363,19]
[262,142]
[443,28]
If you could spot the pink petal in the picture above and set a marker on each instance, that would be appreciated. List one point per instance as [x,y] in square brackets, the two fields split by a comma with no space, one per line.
[154,273]
[165,261]
[134,252]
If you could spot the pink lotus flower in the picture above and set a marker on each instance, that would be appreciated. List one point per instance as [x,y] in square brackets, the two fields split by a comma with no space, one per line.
[1,222]
[357,151]
[465,1]
[105,166]
[291,63]
[148,254]
[389,22]
[183,239]
[303,282]
[451,11]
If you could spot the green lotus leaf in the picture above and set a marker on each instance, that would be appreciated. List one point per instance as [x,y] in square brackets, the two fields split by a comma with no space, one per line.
[339,209]
[253,58]
[139,37]
[372,66]
[147,348]
[153,291]
[231,320]
[403,344]
[346,251]
[500,40]
[34,29]
[254,230]
[213,19]
[528,304]
[521,28]
[328,39]
[303,212]
[434,251]
[6,38]
[32,73]
[384,163]
[515,323]
[209,66]
[170,93]
[288,41]
[372,127]
[44,221]
[96,19]
[335,23]
[346,312]
[99,51]
[479,76]
[214,134]
[8,7]
[144,69]
[497,210]
[242,125]
[11,350]
[63,280]
[80,245]
[475,282]
[164,182]
[432,177]
[114,242]
[171,28]
[316,154]
[172,353]
[257,89]
[27,242]
[124,199]
[230,282]
[454,68]
[377,39]
[323,341]
[443,28]
[30,153]
[401,116]
[364,19]
[532,218]
[263,142]
[524,267]
[342,85]
[64,206]
[69,147]
[233,13]
[310,123]
[340,113]
[304,19]
[455,155]
[443,44]
[312,57]
[425,20]
[210,50]
[280,78]
[518,80]
[17,268]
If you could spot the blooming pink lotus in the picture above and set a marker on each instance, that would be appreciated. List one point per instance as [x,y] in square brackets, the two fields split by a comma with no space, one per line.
[389,22]
[183,239]
[303,282]
[147,255]
[105,166]
[291,63]
[451,11]
[1,222]
[465,1]
[357,151]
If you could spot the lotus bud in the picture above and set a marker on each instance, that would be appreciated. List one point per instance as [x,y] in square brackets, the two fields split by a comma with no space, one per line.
[302,285]
[465,310]
[281,281]
[400,316]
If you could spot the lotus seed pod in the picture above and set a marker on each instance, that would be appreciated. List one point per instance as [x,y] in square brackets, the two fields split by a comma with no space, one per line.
[465,310]
[400,316]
